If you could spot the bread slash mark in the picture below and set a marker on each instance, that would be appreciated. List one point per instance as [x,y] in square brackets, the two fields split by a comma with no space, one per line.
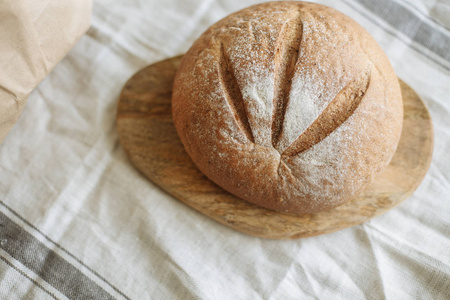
[287,51]
[233,94]
[336,113]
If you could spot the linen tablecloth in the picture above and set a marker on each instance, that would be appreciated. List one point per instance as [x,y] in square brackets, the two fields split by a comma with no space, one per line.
[78,221]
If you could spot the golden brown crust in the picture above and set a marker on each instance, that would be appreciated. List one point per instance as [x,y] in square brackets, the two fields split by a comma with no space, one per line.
[290,105]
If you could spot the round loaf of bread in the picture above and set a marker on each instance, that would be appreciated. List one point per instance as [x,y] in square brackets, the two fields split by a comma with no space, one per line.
[292,106]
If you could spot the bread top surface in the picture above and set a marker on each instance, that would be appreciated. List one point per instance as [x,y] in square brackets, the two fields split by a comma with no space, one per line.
[289,105]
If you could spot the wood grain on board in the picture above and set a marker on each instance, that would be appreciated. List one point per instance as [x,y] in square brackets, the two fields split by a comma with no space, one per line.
[149,137]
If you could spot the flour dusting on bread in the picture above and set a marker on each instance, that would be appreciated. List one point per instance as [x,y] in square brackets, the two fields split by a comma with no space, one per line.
[289,105]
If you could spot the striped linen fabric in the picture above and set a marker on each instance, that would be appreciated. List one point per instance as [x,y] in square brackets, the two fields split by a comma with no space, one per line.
[78,221]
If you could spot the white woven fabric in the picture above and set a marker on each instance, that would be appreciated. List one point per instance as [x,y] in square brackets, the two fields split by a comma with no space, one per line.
[67,185]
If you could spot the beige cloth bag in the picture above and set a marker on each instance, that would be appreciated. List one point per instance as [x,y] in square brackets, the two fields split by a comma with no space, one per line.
[34,37]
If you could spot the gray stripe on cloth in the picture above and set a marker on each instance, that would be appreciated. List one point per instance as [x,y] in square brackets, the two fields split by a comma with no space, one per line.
[394,33]
[63,249]
[28,277]
[405,21]
[51,267]
[424,15]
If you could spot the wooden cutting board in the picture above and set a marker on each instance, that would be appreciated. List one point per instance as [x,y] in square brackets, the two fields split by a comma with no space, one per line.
[147,133]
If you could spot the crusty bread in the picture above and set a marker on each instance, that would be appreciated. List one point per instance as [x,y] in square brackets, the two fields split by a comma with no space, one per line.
[289,105]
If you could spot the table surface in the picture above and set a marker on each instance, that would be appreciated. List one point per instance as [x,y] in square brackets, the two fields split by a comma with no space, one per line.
[78,220]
